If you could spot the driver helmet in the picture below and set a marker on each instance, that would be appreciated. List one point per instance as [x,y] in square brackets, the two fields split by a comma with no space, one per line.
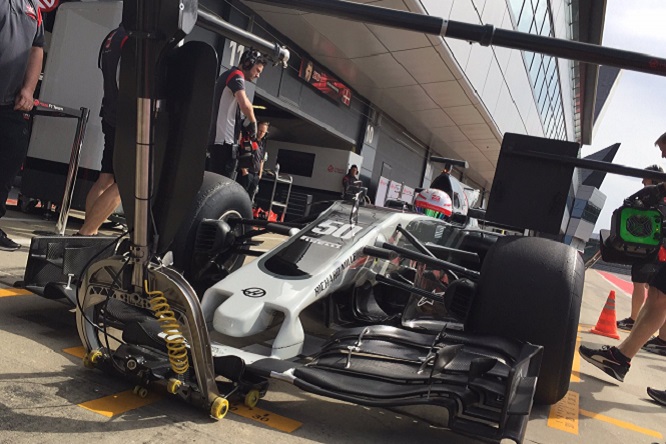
[434,203]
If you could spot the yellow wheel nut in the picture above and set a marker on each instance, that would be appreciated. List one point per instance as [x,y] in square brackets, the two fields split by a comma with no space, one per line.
[172,385]
[92,358]
[252,398]
[219,408]
[139,391]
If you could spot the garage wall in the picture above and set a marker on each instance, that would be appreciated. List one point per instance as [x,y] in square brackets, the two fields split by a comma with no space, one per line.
[500,76]
[398,158]
[284,87]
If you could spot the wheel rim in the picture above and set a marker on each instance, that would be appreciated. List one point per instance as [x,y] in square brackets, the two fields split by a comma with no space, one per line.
[238,230]
[226,261]
[252,398]
[220,408]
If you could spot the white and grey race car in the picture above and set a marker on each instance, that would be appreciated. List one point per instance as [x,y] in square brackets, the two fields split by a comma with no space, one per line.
[364,304]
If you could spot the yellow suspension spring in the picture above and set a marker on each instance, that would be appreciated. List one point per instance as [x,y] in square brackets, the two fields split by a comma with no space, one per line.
[171,327]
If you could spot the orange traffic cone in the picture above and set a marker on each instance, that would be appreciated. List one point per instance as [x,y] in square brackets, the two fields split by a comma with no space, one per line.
[607,324]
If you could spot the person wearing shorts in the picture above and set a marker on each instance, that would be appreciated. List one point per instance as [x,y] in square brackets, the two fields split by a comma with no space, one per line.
[640,274]
[616,361]
[104,196]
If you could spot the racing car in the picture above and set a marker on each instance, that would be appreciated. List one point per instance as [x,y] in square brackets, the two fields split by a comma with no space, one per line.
[364,304]
[370,305]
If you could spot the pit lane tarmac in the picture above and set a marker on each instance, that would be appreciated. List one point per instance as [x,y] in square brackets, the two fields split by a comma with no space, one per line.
[47,396]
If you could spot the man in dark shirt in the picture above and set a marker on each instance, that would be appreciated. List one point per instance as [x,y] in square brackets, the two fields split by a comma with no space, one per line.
[616,361]
[640,274]
[230,101]
[349,179]
[104,197]
[249,177]
[21,54]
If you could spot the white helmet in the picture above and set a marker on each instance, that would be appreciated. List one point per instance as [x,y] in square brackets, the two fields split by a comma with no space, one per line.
[434,203]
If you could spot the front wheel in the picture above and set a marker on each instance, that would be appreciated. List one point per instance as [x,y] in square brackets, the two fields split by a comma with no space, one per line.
[219,198]
[531,289]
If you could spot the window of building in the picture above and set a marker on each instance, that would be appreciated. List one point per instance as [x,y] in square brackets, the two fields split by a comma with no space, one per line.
[591,213]
[534,16]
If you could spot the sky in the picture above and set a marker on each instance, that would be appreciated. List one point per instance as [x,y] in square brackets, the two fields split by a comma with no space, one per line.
[635,113]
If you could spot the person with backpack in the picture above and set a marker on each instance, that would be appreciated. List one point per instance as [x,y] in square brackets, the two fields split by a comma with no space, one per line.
[615,361]
[640,274]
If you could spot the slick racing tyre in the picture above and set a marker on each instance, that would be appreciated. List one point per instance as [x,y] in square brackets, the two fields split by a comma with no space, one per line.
[531,289]
[218,198]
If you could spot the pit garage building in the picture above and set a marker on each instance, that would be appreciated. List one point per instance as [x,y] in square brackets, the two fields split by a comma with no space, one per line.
[397,97]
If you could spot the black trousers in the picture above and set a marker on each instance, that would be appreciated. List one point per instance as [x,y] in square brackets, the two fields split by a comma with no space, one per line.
[223,159]
[250,182]
[14,140]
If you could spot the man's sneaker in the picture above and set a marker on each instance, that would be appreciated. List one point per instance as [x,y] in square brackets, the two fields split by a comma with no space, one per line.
[625,324]
[605,359]
[6,243]
[655,345]
[657,395]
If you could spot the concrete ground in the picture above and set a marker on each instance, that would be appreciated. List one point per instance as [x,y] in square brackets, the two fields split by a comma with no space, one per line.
[47,396]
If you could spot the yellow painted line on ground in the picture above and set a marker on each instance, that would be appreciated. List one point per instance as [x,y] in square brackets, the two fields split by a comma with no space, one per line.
[270,419]
[575,368]
[126,401]
[78,352]
[6,292]
[122,402]
[585,327]
[623,424]
[564,415]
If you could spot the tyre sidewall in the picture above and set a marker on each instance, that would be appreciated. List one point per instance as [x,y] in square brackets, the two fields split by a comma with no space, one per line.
[531,289]
[218,195]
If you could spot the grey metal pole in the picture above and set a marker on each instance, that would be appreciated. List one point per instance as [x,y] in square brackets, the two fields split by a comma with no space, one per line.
[483,34]
[215,24]
[72,171]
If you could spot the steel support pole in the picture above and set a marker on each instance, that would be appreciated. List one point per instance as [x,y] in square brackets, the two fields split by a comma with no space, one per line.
[483,34]
[72,171]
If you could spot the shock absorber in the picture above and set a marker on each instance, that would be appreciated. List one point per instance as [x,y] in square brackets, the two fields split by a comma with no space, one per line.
[174,339]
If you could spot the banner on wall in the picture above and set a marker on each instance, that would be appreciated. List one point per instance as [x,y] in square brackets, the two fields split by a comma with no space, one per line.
[382,189]
[315,76]
[407,194]
[394,190]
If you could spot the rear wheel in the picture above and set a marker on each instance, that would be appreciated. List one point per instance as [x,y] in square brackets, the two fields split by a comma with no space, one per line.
[531,289]
[219,198]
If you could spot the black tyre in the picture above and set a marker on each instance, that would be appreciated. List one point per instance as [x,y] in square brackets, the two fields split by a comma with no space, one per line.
[218,198]
[531,289]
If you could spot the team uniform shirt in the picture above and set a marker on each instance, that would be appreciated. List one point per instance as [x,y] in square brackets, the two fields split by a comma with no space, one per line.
[347,181]
[258,156]
[228,111]
[21,29]
[109,63]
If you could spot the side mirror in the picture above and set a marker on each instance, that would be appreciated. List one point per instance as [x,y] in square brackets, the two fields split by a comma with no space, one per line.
[459,218]
[477,213]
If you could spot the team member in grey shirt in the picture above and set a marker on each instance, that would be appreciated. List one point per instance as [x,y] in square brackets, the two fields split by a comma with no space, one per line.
[21,54]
